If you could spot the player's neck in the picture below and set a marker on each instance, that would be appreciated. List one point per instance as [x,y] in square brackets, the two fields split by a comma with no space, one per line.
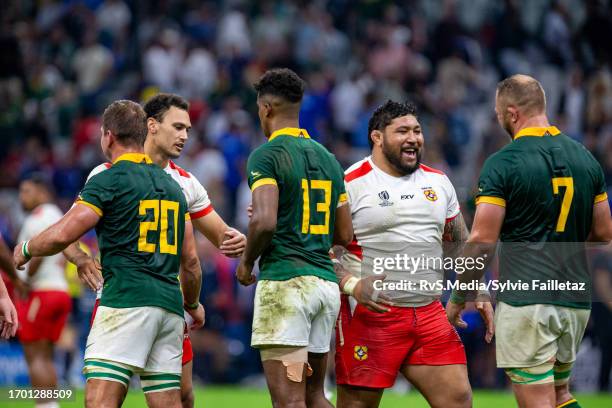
[281,123]
[119,151]
[379,160]
[533,121]
[158,157]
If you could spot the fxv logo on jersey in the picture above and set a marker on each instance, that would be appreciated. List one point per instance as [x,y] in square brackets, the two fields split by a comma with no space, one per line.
[384,196]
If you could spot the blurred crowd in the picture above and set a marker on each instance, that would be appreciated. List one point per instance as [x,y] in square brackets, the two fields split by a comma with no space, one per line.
[64,61]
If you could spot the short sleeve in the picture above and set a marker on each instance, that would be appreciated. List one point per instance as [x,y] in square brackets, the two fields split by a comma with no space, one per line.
[96,194]
[452,208]
[261,168]
[491,184]
[200,205]
[342,195]
[600,185]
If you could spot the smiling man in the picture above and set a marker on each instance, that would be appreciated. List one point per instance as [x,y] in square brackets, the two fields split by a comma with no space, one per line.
[395,199]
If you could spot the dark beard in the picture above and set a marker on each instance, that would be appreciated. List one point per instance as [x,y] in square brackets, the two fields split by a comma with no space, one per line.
[395,160]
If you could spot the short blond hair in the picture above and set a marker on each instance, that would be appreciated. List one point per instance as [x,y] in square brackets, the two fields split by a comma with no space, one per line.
[524,92]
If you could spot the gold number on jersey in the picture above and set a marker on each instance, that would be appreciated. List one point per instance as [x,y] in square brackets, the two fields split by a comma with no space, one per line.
[164,207]
[322,207]
[568,183]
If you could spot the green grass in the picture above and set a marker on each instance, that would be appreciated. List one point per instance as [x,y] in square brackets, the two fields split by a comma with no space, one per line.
[230,397]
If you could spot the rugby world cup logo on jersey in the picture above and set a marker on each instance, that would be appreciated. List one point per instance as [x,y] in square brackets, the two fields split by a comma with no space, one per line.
[384,196]
[430,194]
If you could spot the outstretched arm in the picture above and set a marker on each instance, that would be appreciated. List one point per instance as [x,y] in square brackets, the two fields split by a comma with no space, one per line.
[229,240]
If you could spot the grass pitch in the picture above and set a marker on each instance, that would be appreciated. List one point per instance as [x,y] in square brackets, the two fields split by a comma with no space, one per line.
[230,397]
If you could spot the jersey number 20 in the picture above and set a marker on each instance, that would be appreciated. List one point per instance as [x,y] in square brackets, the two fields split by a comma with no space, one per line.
[568,183]
[322,207]
[163,207]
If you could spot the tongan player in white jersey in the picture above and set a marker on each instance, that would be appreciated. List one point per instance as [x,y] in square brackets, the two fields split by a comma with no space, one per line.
[168,124]
[394,199]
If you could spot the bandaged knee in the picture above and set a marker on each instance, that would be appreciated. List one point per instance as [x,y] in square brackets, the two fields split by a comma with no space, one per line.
[540,374]
[562,372]
[293,358]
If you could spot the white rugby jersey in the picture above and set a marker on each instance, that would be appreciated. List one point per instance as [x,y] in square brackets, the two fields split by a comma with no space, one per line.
[195,194]
[386,209]
[50,274]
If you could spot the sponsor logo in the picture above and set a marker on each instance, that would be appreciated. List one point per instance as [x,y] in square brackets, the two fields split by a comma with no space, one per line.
[384,196]
[430,194]
[360,353]
[255,174]
[407,196]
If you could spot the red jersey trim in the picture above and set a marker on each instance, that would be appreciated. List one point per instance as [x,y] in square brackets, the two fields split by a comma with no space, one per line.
[453,217]
[108,165]
[360,171]
[355,248]
[431,169]
[202,212]
[181,172]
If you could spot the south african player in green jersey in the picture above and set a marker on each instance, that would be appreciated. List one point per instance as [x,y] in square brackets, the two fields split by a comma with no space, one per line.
[544,194]
[139,213]
[299,212]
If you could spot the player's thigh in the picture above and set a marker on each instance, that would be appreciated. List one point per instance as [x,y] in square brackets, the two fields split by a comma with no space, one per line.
[358,397]
[123,335]
[536,328]
[325,306]
[164,399]
[534,395]
[444,386]
[282,313]
[574,324]
[283,390]
[102,393]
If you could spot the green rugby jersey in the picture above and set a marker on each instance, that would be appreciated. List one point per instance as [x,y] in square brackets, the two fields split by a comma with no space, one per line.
[311,186]
[140,233]
[548,184]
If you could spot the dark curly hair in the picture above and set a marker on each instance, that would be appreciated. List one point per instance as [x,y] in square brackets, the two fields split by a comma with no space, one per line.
[157,106]
[281,82]
[385,113]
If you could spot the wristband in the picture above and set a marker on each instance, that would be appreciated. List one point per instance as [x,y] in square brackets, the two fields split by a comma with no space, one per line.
[349,285]
[457,298]
[192,306]
[24,250]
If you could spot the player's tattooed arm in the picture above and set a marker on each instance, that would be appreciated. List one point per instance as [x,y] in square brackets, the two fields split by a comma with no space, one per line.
[455,236]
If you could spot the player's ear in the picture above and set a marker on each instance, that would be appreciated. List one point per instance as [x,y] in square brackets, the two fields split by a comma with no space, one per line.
[152,125]
[376,137]
[267,107]
[513,112]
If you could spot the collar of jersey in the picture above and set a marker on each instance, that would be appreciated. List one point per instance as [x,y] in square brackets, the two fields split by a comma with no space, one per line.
[537,131]
[134,157]
[289,131]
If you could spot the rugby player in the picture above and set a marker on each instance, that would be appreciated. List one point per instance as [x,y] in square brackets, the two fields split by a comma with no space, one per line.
[138,212]
[394,198]
[168,125]
[44,310]
[299,211]
[548,189]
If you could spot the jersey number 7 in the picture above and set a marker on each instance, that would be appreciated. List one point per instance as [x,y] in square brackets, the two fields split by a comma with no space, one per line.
[163,207]
[566,204]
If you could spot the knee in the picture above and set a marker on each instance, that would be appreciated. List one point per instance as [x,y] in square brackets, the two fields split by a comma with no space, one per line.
[462,397]
[314,398]
[187,399]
